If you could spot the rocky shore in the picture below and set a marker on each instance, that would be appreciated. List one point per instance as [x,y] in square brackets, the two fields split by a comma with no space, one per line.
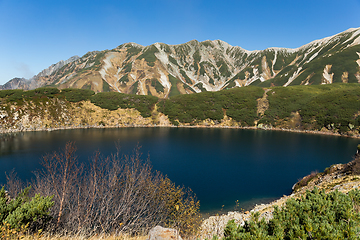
[57,114]
[337,177]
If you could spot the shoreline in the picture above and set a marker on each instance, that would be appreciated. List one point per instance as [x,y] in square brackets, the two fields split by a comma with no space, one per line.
[212,223]
[10,131]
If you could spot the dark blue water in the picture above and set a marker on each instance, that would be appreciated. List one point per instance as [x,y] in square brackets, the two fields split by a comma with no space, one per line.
[219,165]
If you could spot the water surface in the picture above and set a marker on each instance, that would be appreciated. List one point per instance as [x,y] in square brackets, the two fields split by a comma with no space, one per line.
[219,165]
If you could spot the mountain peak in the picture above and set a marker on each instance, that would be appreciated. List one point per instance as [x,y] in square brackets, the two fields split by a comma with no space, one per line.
[165,70]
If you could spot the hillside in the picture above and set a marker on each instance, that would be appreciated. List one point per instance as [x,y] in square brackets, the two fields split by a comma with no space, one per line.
[330,109]
[165,70]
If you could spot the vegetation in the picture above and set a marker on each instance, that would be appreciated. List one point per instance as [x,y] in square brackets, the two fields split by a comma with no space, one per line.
[98,58]
[332,106]
[114,100]
[174,89]
[127,67]
[113,195]
[315,216]
[223,68]
[172,60]
[124,79]
[132,50]
[157,85]
[187,79]
[22,213]
[239,104]
[77,95]
[106,86]
[149,55]
[19,95]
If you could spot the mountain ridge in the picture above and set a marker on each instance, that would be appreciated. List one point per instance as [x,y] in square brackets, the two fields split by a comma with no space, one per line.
[166,70]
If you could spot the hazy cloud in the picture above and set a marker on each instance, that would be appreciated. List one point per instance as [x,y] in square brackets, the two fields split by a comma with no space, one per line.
[24,70]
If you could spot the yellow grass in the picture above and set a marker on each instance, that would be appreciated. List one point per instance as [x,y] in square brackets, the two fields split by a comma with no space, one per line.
[99,237]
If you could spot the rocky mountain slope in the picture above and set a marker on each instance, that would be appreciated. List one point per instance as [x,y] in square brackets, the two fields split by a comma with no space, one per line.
[165,70]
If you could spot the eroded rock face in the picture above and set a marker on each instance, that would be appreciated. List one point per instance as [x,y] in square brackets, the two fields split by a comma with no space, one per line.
[161,233]
[164,70]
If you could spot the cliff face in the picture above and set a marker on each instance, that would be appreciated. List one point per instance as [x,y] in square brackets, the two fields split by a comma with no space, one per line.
[165,70]
[59,114]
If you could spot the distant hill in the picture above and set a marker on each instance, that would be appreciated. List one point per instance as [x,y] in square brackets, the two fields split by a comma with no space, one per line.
[165,70]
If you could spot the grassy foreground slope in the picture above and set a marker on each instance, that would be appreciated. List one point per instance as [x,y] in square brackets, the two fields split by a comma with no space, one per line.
[331,108]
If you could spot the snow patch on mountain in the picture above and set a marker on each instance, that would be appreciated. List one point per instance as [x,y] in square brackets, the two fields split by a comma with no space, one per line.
[358,61]
[162,55]
[328,77]
[164,81]
[313,56]
[292,78]
[107,65]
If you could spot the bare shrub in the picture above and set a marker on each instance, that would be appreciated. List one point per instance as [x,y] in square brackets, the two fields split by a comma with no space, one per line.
[305,180]
[117,195]
[353,167]
[14,185]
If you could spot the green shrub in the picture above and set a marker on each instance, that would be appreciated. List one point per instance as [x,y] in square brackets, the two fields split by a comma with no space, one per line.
[149,55]
[239,104]
[316,215]
[5,93]
[127,67]
[20,95]
[114,100]
[77,95]
[157,85]
[22,211]
[187,79]
[173,90]
[333,106]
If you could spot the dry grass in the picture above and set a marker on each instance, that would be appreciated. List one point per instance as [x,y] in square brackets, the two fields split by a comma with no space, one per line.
[99,237]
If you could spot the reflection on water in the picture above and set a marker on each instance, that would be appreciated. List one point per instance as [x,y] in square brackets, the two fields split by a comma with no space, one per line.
[219,165]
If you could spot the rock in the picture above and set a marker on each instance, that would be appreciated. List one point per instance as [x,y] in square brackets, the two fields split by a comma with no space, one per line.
[215,225]
[160,233]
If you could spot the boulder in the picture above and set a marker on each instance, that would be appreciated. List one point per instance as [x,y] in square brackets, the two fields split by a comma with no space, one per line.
[160,233]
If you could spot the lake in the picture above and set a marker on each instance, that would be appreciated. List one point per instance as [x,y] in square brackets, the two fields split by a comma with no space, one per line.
[220,165]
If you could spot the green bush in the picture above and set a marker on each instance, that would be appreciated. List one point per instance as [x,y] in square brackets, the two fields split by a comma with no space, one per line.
[316,215]
[20,95]
[173,90]
[157,85]
[114,100]
[22,211]
[149,55]
[5,93]
[77,95]
[333,106]
[239,104]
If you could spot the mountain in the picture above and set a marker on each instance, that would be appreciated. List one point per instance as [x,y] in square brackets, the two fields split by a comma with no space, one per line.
[165,70]
[36,81]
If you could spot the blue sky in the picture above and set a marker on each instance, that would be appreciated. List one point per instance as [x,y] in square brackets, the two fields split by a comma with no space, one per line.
[35,34]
